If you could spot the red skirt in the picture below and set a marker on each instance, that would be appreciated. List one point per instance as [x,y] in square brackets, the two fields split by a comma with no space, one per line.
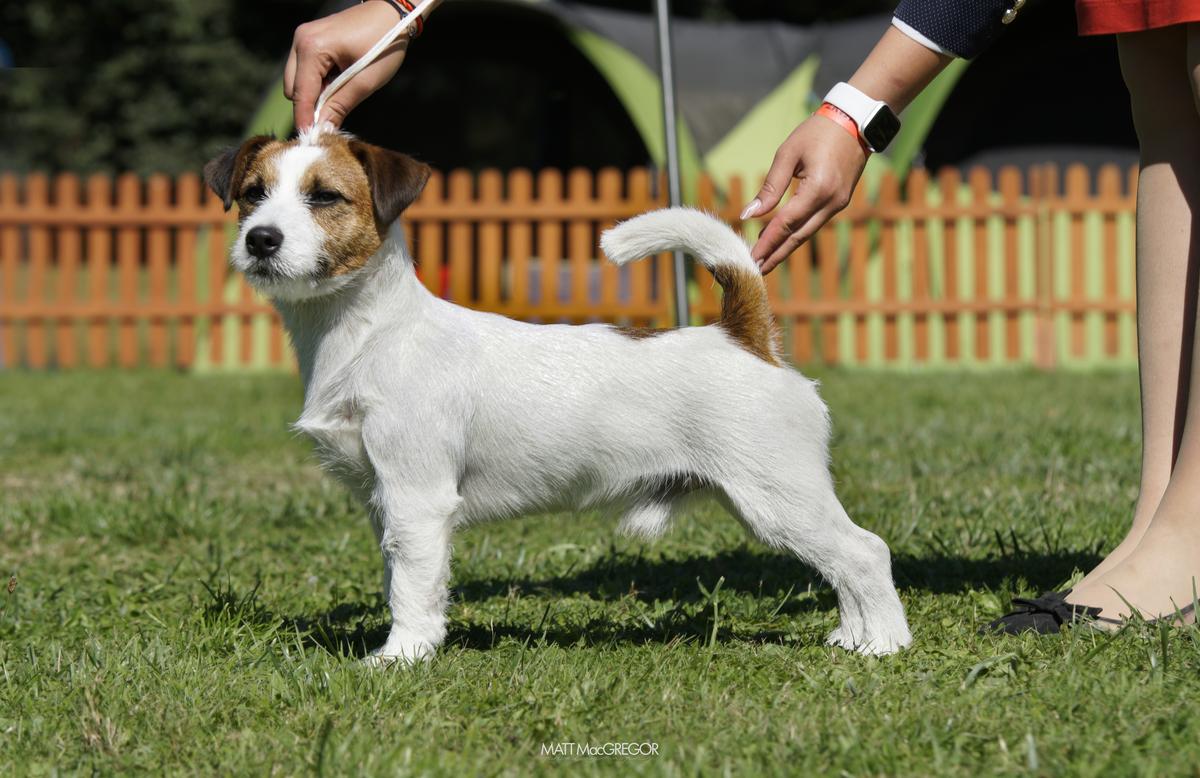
[1103,17]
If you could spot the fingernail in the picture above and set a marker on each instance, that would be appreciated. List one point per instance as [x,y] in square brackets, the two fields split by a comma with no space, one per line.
[751,209]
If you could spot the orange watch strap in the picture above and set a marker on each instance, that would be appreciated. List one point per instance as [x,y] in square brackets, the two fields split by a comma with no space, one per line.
[840,117]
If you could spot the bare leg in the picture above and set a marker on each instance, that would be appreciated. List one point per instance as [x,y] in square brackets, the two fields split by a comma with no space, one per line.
[1169,135]
[1157,571]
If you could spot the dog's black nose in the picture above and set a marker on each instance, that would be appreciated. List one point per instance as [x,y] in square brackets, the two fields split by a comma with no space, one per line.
[262,242]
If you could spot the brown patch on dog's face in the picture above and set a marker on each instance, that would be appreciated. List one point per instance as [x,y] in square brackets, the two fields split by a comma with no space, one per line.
[237,170]
[329,211]
[339,199]
[355,191]
[259,179]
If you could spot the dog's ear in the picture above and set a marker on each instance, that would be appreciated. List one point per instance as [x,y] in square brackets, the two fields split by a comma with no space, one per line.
[224,173]
[396,179]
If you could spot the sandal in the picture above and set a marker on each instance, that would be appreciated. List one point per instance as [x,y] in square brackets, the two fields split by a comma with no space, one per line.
[1044,615]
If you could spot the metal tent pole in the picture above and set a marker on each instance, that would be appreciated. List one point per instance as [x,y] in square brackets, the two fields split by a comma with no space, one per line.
[666,66]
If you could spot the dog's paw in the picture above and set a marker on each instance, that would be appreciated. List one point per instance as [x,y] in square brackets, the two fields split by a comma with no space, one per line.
[881,643]
[401,655]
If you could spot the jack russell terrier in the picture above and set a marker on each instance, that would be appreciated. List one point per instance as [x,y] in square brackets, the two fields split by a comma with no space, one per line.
[437,416]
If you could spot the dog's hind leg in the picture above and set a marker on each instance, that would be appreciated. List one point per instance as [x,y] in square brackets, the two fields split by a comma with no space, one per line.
[648,518]
[872,617]
[857,563]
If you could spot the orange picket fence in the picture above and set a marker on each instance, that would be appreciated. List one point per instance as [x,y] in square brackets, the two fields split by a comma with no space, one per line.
[1033,267]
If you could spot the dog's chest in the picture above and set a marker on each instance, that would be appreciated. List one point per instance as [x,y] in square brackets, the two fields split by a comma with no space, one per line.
[336,429]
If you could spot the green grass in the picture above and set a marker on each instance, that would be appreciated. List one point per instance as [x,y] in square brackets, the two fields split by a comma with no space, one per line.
[191,595]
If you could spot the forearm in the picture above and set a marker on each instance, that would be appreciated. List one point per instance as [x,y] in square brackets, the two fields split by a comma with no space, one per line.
[897,69]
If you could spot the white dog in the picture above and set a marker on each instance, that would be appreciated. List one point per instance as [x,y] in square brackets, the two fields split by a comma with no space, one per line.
[437,416]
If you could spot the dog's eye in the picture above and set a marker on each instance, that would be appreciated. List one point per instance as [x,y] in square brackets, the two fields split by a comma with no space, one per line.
[253,194]
[325,197]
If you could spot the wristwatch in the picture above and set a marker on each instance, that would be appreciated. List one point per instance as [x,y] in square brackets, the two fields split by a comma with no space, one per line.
[876,122]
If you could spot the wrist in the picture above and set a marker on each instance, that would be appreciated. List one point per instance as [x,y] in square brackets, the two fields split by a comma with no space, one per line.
[874,122]
[881,88]
[403,8]
[842,119]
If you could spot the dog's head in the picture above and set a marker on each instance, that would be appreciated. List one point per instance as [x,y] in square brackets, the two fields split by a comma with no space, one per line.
[313,210]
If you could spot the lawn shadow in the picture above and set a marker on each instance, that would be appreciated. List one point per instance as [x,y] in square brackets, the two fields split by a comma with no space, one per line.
[351,629]
[676,628]
[753,570]
[948,574]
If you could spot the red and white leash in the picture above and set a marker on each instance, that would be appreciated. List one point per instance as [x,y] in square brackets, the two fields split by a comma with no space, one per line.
[418,14]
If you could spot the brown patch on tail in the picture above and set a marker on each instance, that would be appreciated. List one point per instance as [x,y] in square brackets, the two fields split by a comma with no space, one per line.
[640,333]
[745,315]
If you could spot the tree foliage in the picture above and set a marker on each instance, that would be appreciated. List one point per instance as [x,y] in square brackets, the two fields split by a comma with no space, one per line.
[136,84]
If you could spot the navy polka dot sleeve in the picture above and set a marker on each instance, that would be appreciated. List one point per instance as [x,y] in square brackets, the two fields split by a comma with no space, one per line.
[965,27]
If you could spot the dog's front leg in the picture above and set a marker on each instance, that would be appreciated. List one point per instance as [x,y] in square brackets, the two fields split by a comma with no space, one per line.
[414,537]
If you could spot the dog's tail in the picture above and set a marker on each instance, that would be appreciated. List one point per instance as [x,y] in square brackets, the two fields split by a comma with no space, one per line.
[745,313]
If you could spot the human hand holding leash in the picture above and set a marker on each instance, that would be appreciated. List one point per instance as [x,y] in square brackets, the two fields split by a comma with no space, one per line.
[826,159]
[324,47]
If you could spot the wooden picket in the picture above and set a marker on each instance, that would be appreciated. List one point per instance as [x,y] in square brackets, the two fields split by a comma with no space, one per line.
[1032,267]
